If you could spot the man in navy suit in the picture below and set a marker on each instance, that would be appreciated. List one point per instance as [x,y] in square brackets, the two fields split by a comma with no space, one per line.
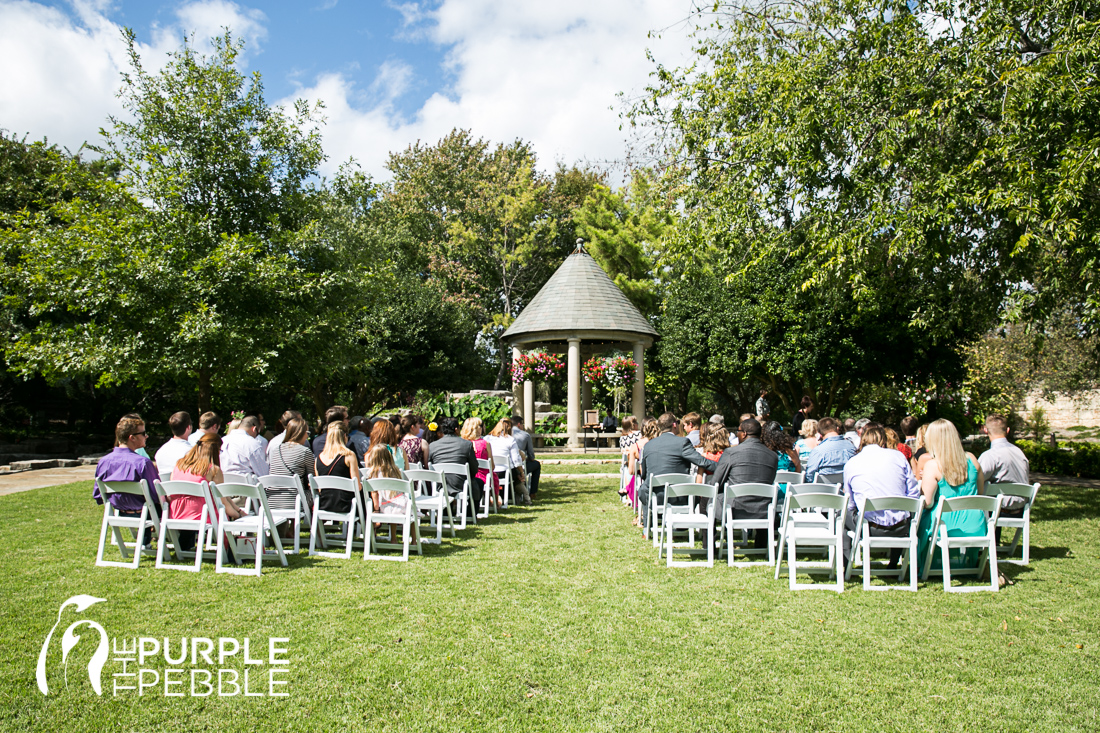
[668,453]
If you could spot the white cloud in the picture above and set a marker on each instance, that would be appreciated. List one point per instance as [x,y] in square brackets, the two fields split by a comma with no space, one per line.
[545,72]
[62,71]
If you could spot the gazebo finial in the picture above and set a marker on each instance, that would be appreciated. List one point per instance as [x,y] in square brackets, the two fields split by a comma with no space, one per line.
[580,247]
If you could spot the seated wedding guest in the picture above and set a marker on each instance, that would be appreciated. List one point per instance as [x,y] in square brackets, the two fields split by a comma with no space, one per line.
[336,460]
[140,451]
[202,463]
[260,437]
[831,454]
[909,430]
[283,422]
[379,464]
[473,430]
[782,442]
[748,462]
[667,453]
[527,448]
[808,440]
[291,456]
[1004,463]
[894,442]
[384,433]
[451,448]
[803,414]
[921,456]
[630,436]
[125,464]
[690,424]
[634,457]
[240,451]
[875,472]
[716,440]
[850,433]
[950,472]
[178,446]
[358,440]
[332,414]
[502,443]
[209,422]
[415,447]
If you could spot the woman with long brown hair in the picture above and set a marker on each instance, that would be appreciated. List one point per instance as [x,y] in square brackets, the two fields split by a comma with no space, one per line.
[384,433]
[202,463]
[415,447]
[290,457]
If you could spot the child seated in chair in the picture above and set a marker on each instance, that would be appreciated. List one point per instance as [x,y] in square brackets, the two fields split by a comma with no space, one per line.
[380,464]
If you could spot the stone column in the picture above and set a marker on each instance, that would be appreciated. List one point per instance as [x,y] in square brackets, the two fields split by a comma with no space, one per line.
[517,388]
[529,406]
[573,401]
[638,407]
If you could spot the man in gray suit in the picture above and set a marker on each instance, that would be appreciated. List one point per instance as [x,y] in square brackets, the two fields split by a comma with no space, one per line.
[453,449]
[668,453]
[748,462]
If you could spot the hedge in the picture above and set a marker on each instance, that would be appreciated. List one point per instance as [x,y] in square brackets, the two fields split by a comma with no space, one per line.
[1074,459]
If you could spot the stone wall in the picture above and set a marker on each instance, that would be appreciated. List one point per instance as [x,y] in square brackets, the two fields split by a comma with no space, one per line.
[1065,412]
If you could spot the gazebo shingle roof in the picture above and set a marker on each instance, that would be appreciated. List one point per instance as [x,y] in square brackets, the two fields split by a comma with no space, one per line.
[579,297]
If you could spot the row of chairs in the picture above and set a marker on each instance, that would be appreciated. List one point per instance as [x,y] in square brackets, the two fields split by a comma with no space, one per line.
[424,491]
[813,518]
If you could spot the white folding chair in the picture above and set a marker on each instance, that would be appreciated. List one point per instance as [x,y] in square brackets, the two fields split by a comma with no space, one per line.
[353,522]
[803,518]
[656,509]
[789,477]
[297,516]
[408,519]
[731,525]
[165,476]
[436,502]
[812,534]
[238,478]
[146,520]
[264,526]
[866,543]
[681,518]
[465,496]
[830,478]
[1021,524]
[991,505]
[504,473]
[489,496]
[170,526]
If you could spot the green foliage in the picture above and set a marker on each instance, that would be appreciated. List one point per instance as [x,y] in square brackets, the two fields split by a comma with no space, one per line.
[1075,459]
[489,408]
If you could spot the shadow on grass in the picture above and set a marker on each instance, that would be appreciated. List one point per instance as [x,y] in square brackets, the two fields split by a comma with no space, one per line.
[1061,503]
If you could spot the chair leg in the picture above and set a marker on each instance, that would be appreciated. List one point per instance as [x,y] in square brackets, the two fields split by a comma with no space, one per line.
[791,570]
[945,561]
[994,574]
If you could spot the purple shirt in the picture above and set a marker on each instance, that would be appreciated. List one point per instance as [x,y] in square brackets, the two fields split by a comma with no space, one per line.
[877,472]
[122,464]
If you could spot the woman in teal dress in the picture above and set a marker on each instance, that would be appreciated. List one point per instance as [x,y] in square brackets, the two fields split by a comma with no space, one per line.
[951,472]
[782,443]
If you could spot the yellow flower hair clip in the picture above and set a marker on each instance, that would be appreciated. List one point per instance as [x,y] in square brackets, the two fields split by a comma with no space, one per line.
[433,427]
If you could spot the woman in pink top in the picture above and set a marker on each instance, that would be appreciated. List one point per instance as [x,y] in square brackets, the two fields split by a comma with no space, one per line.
[200,464]
[472,430]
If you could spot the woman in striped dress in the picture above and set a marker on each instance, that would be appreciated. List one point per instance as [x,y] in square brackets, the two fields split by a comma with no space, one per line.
[290,458]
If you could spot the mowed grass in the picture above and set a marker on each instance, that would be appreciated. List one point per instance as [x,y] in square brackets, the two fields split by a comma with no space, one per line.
[557,618]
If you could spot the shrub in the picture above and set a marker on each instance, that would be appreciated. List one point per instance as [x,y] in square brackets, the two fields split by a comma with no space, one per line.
[1081,459]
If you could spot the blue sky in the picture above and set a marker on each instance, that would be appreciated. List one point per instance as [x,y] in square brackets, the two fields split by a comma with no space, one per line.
[389,73]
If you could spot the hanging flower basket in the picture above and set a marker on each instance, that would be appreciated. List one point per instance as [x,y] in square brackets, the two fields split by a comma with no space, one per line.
[617,371]
[594,370]
[537,366]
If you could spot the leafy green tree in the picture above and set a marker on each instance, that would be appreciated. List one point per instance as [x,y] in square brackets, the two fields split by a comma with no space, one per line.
[623,231]
[192,264]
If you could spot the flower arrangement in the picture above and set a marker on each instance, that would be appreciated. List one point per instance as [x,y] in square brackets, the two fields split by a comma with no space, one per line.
[616,371]
[536,366]
[237,415]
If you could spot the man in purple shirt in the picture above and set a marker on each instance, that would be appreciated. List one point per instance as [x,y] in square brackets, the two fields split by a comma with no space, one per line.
[873,473]
[124,464]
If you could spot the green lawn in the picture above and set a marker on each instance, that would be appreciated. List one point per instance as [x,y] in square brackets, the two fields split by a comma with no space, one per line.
[556,618]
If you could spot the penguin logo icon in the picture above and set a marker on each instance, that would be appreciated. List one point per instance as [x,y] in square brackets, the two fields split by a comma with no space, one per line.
[69,639]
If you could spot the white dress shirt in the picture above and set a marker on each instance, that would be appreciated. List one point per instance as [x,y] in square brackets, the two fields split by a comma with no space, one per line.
[169,453]
[505,445]
[242,453]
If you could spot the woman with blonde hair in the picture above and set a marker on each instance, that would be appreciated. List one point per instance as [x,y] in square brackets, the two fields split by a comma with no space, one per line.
[472,430]
[336,460]
[649,432]
[808,441]
[717,440]
[201,463]
[503,444]
[950,471]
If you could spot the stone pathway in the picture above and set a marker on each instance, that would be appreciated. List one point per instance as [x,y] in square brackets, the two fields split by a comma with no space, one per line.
[27,480]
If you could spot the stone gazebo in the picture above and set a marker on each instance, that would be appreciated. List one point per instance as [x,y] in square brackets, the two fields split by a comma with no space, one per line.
[580,312]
